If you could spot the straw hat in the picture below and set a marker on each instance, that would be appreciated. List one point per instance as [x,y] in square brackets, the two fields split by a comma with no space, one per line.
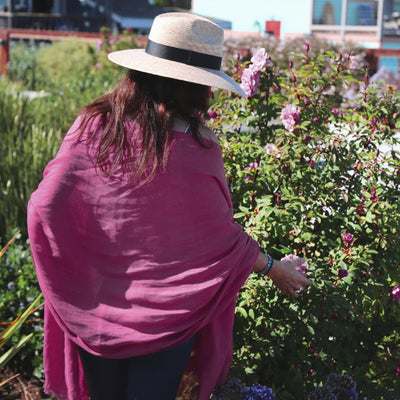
[181,46]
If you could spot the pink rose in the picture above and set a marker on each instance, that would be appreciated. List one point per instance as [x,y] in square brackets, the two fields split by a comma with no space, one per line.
[261,59]
[212,114]
[290,117]
[347,238]
[250,82]
[396,293]
[300,268]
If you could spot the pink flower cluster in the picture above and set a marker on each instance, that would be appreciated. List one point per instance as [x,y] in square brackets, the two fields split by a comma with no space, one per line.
[290,117]
[250,80]
[396,293]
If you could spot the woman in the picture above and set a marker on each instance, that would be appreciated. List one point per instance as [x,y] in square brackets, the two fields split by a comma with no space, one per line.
[132,232]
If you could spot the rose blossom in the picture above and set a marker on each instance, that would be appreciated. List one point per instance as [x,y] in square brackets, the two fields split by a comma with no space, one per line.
[290,116]
[212,114]
[251,75]
[396,293]
[348,238]
[250,82]
[261,59]
[343,273]
[300,268]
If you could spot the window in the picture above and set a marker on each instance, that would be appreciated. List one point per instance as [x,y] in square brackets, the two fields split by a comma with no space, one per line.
[327,12]
[391,18]
[362,12]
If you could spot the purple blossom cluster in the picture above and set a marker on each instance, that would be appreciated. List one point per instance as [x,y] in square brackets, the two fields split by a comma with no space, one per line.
[342,386]
[257,392]
[337,387]
[250,80]
[231,387]
[234,389]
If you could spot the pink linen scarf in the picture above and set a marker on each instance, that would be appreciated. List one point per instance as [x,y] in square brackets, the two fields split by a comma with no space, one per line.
[127,271]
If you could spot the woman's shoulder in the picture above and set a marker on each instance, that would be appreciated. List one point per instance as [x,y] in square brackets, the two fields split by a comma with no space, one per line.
[180,125]
[207,133]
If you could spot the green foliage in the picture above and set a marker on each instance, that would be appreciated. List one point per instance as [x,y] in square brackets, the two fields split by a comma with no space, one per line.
[28,143]
[64,58]
[298,190]
[67,76]
[18,276]
[23,64]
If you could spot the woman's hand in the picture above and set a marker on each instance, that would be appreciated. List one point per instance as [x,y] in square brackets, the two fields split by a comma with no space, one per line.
[287,278]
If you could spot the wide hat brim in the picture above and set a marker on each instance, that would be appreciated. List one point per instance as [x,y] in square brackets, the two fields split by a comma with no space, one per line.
[139,60]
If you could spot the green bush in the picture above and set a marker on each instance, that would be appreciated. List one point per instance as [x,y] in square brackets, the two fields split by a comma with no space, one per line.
[65,58]
[23,64]
[308,175]
[20,288]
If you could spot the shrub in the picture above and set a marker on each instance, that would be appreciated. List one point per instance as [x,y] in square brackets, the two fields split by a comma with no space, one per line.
[316,172]
[23,64]
[18,278]
[65,58]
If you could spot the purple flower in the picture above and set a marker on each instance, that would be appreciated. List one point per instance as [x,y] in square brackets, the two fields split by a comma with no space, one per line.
[343,273]
[396,294]
[212,114]
[335,111]
[250,82]
[342,386]
[257,392]
[261,59]
[290,116]
[348,238]
[330,262]
[112,41]
[232,385]
[398,370]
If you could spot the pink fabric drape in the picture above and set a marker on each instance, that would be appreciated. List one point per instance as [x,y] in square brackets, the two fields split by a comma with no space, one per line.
[128,271]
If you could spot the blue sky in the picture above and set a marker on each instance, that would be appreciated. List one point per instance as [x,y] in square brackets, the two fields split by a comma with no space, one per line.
[295,15]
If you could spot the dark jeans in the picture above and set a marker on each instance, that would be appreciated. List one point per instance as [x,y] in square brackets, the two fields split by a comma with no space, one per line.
[153,376]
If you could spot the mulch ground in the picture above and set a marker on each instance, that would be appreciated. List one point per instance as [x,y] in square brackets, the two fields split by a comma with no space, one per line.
[20,387]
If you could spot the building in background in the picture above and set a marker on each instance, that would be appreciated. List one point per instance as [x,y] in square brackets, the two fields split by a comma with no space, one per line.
[87,15]
[374,24]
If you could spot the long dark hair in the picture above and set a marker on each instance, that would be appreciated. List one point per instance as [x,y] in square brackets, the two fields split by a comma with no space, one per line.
[151,102]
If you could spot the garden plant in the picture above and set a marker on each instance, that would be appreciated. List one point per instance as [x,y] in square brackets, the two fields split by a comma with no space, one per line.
[312,160]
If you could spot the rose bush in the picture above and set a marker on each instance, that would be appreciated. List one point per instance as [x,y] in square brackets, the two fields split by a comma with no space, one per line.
[312,160]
